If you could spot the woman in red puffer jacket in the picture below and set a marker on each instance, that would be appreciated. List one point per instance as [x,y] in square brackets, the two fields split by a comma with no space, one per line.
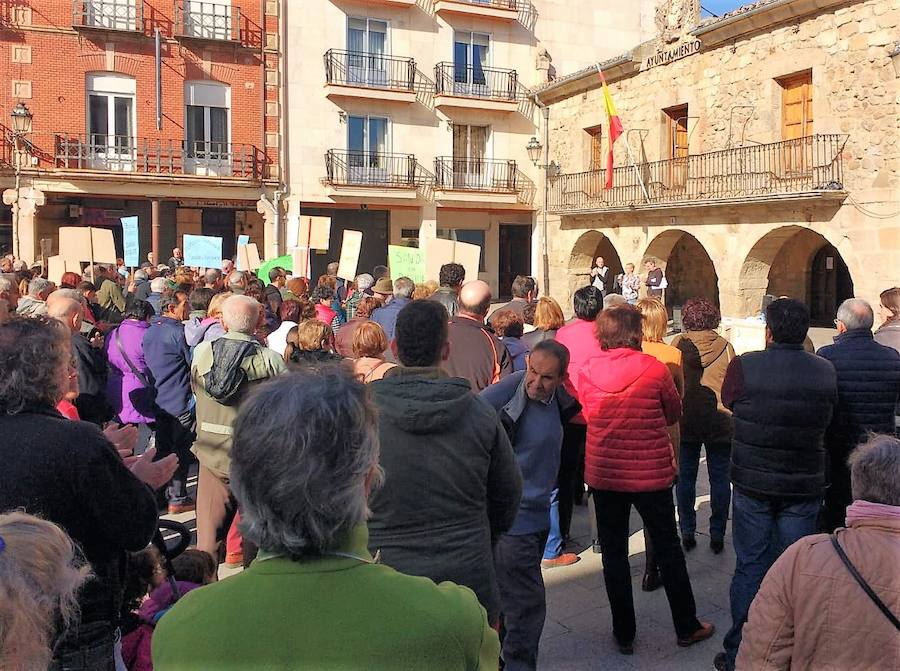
[629,399]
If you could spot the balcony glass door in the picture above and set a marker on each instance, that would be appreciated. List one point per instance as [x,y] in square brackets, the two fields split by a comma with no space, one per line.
[471,55]
[368,46]
[367,149]
[207,149]
[112,14]
[470,149]
[208,19]
[111,142]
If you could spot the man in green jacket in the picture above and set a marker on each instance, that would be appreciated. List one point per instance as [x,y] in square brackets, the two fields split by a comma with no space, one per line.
[315,598]
[222,372]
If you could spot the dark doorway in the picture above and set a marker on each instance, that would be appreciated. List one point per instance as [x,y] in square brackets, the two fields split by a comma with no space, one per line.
[220,223]
[830,285]
[374,227]
[515,255]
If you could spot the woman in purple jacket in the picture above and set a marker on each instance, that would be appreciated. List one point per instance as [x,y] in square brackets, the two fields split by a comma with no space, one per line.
[129,387]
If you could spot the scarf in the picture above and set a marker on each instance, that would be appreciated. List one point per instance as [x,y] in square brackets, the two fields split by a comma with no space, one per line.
[861,510]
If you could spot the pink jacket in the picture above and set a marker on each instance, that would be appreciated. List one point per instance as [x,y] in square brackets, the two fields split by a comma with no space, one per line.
[136,644]
[580,339]
[810,613]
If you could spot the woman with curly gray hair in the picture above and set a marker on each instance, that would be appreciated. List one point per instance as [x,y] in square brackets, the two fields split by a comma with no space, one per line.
[40,573]
[69,473]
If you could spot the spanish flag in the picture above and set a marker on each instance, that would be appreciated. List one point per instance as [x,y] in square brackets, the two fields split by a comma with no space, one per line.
[615,127]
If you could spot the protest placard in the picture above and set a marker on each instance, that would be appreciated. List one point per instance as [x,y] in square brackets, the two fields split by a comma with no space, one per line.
[202,251]
[406,262]
[91,245]
[130,242]
[314,233]
[349,258]
[439,251]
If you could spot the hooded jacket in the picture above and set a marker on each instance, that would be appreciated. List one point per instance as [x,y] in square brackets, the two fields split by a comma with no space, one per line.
[451,481]
[629,399]
[705,356]
[199,330]
[518,350]
[92,373]
[30,306]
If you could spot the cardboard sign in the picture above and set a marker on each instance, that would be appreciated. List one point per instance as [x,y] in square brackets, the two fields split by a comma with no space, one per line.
[439,251]
[243,240]
[131,242]
[407,262]
[202,251]
[314,232]
[349,258]
[301,262]
[248,258]
[57,265]
[92,245]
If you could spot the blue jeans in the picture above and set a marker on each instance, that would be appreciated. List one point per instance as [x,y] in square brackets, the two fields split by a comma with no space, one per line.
[761,530]
[718,458]
[554,545]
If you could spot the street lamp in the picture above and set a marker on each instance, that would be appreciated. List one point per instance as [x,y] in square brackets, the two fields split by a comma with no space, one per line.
[551,171]
[21,126]
[534,148]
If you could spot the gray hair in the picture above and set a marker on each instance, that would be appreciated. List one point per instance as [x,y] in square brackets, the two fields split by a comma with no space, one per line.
[74,294]
[141,275]
[158,285]
[37,286]
[364,281]
[241,314]
[404,287]
[612,300]
[32,349]
[212,275]
[856,314]
[301,484]
[875,470]
[8,283]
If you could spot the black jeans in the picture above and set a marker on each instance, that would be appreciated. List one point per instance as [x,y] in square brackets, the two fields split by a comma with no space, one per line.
[175,435]
[570,477]
[85,647]
[657,510]
[523,605]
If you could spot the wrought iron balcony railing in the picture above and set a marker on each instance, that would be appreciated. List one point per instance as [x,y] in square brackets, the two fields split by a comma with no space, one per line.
[364,168]
[121,15]
[124,154]
[377,71]
[476,81]
[476,174]
[812,163]
[497,4]
[207,20]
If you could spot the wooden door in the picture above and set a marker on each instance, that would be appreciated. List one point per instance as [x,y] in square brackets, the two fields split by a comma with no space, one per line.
[796,121]
[677,121]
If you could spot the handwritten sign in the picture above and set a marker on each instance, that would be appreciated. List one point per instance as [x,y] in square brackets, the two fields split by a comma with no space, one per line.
[407,262]
[131,242]
[314,232]
[349,258]
[202,251]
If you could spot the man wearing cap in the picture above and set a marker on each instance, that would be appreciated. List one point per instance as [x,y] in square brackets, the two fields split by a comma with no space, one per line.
[383,289]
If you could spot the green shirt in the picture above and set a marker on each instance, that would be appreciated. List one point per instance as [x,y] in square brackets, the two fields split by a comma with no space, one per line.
[337,611]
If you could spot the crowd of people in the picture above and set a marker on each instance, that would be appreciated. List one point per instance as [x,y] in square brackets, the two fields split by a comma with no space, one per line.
[394,465]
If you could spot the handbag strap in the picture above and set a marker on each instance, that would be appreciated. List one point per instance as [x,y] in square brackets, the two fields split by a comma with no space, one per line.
[138,374]
[862,583]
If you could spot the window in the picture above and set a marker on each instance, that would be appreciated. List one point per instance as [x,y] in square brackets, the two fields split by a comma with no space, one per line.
[470,153]
[112,14]
[111,121]
[676,119]
[471,55]
[207,123]
[367,147]
[208,19]
[796,106]
[367,42]
[595,137]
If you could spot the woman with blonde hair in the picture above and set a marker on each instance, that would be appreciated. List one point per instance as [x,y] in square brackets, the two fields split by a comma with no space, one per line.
[654,324]
[39,578]
[548,319]
[310,343]
[424,290]
[369,347]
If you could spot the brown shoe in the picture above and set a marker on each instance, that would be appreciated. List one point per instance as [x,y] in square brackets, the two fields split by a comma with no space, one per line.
[704,632]
[234,559]
[179,508]
[566,559]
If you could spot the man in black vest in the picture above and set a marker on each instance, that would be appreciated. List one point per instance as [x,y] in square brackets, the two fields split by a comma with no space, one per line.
[782,400]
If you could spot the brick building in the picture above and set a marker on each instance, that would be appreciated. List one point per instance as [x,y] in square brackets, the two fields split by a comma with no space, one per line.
[194,152]
[766,147]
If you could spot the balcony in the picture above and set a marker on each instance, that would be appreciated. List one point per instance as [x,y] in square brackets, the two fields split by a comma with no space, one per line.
[475,87]
[497,10]
[802,169]
[125,16]
[481,182]
[375,176]
[353,74]
[207,21]
[144,156]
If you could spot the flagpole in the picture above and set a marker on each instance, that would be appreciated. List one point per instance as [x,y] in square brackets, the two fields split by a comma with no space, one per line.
[637,172]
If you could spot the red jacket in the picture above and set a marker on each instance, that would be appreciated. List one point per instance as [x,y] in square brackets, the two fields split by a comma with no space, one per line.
[325,313]
[629,399]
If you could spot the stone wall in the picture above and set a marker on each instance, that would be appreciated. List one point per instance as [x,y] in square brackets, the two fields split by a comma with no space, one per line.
[734,100]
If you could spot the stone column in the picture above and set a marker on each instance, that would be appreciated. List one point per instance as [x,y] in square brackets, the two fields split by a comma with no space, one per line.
[428,225]
[270,229]
[24,214]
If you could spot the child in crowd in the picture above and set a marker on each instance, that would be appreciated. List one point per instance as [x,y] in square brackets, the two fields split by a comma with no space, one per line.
[193,569]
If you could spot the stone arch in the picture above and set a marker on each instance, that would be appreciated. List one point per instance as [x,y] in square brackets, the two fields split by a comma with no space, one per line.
[800,263]
[688,267]
[588,247]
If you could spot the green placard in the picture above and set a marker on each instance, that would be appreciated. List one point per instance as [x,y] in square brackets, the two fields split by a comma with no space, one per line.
[407,262]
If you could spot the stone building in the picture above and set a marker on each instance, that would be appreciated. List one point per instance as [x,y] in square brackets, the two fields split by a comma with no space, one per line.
[765,156]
